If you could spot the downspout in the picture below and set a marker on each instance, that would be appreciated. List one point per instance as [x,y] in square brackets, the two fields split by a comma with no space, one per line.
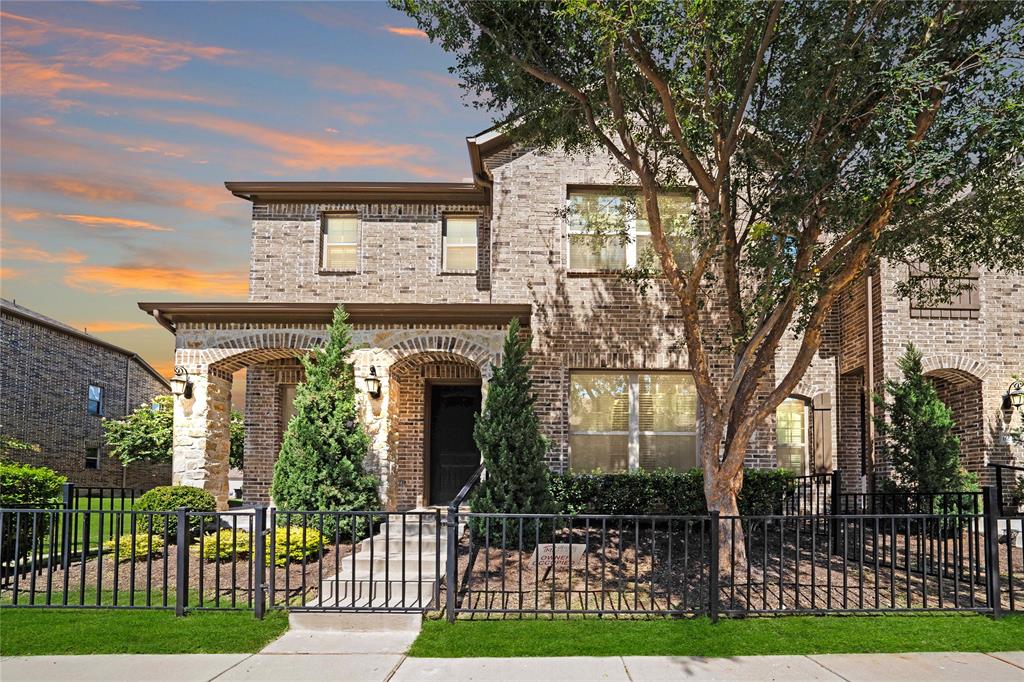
[127,406]
[870,380]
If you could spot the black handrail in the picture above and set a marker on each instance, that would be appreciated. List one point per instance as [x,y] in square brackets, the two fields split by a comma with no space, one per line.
[464,492]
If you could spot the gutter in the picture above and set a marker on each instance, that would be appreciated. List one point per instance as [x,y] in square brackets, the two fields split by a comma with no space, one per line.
[870,378]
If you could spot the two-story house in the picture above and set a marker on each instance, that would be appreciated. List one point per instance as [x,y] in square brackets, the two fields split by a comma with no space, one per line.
[431,273]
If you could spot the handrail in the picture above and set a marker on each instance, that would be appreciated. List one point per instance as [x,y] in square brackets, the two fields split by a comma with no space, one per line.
[464,492]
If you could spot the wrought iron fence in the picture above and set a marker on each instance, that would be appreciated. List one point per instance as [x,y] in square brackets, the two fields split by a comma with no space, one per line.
[512,565]
[1010,489]
[812,494]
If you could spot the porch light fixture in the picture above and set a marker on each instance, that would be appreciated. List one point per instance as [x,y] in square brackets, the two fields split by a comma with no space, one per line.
[1014,396]
[180,384]
[373,384]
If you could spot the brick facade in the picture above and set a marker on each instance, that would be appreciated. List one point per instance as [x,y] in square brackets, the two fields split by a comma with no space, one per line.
[45,374]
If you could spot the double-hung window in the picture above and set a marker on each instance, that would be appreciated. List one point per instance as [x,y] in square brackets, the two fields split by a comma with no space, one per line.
[791,435]
[609,231]
[458,243]
[96,400]
[340,249]
[623,421]
[92,458]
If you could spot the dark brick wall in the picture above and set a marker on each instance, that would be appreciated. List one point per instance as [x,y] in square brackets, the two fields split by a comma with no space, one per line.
[45,375]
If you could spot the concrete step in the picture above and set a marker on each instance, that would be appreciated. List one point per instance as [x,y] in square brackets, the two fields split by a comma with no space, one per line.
[412,594]
[354,622]
[393,545]
[393,564]
[313,642]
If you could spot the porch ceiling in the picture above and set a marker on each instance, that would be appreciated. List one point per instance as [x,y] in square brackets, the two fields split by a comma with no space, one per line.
[171,314]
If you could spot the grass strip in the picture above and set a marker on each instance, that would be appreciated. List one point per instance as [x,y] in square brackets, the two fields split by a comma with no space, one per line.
[796,635]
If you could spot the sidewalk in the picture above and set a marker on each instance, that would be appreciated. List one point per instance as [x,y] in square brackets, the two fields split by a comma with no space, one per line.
[933,667]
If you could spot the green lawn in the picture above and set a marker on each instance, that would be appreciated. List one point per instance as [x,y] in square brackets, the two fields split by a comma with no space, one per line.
[729,637]
[29,632]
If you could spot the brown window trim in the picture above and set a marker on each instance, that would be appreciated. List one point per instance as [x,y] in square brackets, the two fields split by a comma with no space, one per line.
[444,232]
[324,215]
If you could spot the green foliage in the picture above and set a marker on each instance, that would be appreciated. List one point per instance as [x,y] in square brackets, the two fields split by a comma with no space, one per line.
[664,491]
[148,433]
[27,487]
[292,544]
[916,430]
[508,434]
[168,498]
[10,444]
[321,463]
[133,548]
[225,544]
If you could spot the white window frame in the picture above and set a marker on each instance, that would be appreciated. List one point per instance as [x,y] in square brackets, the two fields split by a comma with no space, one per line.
[806,437]
[444,243]
[324,243]
[633,433]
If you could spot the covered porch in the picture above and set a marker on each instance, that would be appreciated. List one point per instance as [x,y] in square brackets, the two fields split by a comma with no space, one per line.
[433,362]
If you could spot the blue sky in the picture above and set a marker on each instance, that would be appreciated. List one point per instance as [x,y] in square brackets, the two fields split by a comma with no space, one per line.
[121,121]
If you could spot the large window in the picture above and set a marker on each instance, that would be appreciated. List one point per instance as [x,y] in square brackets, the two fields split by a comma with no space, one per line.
[621,421]
[458,237]
[791,435]
[96,400]
[340,251]
[608,231]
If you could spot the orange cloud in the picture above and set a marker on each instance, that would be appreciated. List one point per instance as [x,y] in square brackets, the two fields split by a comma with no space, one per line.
[102,327]
[405,31]
[106,49]
[20,215]
[310,153]
[110,221]
[164,367]
[42,121]
[33,252]
[26,76]
[344,79]
[114,278]
[11,273]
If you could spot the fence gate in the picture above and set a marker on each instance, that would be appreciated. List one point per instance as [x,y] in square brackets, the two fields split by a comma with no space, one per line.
[369,561]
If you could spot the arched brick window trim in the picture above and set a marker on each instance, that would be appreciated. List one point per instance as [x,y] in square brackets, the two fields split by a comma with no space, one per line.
[956,368]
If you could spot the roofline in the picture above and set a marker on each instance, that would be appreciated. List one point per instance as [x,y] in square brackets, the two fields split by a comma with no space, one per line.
[353,192]
[485,142]
[71,331]
[170,314]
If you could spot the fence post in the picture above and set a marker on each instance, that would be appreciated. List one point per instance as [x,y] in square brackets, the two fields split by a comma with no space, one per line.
[999,486]
[450,564]
[837,508]
[991,511]
[181,582]
[67,495]
[713,595]
[259,537]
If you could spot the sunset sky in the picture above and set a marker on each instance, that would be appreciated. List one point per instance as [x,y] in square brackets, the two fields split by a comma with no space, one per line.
[121,121]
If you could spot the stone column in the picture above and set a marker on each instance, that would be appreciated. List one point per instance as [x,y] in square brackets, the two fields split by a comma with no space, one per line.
[202,434]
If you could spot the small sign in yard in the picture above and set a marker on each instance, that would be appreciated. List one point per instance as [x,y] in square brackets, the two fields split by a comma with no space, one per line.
[558,555]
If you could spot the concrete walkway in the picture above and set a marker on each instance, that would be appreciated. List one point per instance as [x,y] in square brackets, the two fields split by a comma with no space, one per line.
[933,667]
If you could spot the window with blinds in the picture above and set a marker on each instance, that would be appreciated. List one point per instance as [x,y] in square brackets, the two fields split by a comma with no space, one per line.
[459,243]
[622,421]
[791,435]
[340,251]
[609,231]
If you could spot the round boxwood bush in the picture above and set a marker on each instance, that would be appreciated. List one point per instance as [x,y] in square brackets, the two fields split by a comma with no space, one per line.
[27,487]
[167,498]
[225,544]
[295,543]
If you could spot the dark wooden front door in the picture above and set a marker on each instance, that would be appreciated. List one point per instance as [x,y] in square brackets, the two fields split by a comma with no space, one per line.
[453,454]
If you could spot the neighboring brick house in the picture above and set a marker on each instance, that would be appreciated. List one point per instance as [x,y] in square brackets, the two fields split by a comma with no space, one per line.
[58,385]
[432,272]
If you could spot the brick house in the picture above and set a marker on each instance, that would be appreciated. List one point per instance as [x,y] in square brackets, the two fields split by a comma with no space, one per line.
[431,273]
[58,385]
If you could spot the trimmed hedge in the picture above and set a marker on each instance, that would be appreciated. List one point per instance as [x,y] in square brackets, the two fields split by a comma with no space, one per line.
[167,498]
[27,487]
[664,492]
[225,544]
[145,545]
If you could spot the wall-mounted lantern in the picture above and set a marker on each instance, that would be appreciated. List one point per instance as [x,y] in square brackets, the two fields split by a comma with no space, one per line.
[1014,396]
[373,384]
[181,383]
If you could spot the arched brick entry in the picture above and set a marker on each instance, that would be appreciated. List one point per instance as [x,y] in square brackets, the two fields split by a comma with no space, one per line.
[963,394]
[409,380]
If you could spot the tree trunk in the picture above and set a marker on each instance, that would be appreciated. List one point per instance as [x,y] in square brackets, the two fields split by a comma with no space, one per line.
[723,481]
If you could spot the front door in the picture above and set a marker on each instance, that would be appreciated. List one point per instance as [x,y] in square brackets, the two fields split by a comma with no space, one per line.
[453,453]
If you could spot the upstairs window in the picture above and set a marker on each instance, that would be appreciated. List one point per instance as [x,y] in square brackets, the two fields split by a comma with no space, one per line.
[458,243]
[623,421]
[928,304]
[340,250]
[92,458]
[609,231]
[96,400]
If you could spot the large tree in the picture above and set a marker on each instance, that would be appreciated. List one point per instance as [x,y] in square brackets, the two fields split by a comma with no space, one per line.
[819,137]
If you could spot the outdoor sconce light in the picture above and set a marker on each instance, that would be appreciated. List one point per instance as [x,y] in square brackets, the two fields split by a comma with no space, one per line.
[180,384]
[373,384]
[1014,396]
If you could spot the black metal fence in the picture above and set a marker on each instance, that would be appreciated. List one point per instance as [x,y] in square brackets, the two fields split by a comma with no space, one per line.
[1010,488]
[512,565]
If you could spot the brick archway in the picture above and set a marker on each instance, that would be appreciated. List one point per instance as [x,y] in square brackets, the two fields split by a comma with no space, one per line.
[963,393]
